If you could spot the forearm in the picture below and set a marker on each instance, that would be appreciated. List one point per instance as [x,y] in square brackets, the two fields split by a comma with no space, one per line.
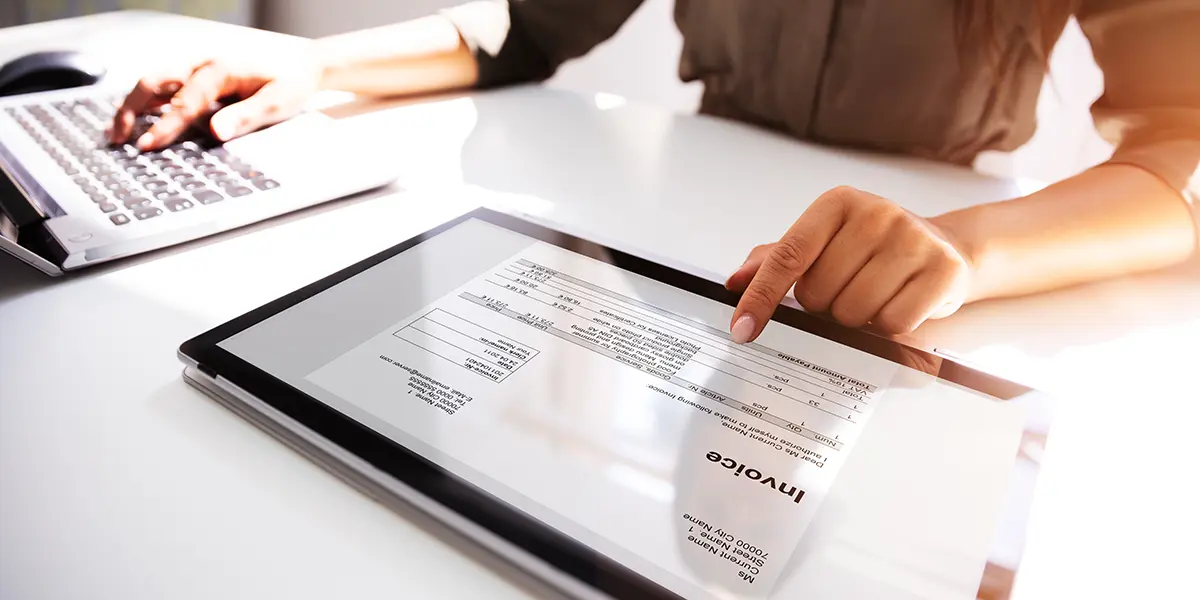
[421,56]
[1108,221]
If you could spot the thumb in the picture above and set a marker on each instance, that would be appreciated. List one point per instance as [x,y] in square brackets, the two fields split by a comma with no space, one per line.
[741,278]
[266,106]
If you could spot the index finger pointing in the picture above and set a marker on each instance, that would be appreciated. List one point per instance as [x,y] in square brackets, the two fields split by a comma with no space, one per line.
[785,263]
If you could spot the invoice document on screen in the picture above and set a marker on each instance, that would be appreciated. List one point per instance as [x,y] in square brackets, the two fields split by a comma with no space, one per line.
[616,409]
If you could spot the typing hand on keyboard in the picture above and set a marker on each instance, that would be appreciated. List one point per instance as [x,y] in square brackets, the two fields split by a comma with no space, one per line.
[125,183]
[264,95]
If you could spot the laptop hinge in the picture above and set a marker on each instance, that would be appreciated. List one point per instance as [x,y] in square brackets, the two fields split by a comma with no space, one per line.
[19,210]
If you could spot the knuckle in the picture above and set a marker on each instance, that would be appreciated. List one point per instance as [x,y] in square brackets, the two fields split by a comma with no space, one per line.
[946,262]
[878,223]
[841,192]
[840,195]
[790,254]
[211,65]
[894,218]
[757,297]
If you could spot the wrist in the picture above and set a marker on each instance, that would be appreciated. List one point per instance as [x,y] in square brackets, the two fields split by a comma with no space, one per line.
[962,229]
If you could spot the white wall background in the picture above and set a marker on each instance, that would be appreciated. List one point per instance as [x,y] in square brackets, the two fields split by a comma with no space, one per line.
[640,63]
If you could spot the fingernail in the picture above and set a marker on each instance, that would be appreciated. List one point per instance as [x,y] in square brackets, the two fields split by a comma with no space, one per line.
[742,329]
[145,141]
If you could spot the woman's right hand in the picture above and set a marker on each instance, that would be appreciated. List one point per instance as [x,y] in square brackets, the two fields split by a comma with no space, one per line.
[267,91]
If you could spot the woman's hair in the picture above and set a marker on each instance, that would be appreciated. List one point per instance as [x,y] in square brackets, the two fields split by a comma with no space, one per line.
[978,26]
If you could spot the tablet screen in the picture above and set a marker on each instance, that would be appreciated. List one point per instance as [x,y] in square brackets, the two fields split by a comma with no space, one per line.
[614,409]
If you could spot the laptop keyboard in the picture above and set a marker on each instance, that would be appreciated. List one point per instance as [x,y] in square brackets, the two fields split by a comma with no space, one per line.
[128,185]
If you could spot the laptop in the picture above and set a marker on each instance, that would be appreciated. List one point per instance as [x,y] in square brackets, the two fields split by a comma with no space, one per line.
[583,413]
[69,200]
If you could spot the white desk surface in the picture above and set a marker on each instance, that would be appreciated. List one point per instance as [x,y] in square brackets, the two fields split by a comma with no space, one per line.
[117,480]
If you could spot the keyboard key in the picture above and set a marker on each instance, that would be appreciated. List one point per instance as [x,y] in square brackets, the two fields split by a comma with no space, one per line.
[238,191]
[119,219]
[155,185]
[97,197]
[133,202]
[182,177]
[250,173]
[266,184]
[147,213]
[108,207]
[207,196]
[178,204]
[192,185]
[81,181]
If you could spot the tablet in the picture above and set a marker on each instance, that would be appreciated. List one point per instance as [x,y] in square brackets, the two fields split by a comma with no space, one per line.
[583,413]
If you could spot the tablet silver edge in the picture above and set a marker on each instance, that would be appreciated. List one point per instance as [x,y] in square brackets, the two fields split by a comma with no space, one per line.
[372,482]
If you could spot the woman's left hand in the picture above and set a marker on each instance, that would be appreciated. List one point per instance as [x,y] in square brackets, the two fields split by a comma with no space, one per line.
[859,257]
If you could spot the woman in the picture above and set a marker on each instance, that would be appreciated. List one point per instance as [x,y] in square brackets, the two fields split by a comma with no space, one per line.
[945,79]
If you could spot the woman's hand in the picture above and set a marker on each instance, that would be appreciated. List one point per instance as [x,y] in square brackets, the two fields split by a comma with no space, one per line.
[270,90]
[859,257]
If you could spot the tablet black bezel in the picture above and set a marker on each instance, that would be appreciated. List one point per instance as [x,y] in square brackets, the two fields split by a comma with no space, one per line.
[556,549]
